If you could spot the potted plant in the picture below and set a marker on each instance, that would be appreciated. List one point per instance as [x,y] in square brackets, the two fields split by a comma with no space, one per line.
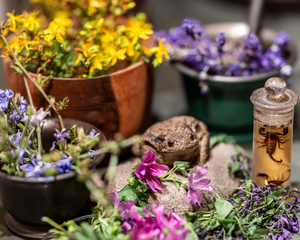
[221,65]
[40,157]
[93,56]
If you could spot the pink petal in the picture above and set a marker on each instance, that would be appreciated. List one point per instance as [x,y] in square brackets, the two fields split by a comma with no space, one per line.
[204,187]
[124,206]
[150,157]
[194,197]
[203,181]
[153,183]
[140,171]
[157,170]
[201,172]
[114,194]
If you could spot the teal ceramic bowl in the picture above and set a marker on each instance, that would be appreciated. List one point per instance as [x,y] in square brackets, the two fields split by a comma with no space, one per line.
[227,107]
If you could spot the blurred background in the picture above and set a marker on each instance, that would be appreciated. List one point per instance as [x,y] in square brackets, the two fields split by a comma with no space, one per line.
[169,96]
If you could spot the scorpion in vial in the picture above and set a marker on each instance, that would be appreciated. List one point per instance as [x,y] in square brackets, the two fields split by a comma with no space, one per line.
[271,139]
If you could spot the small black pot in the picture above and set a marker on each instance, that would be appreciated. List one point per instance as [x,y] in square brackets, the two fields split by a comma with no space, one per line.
[61,199]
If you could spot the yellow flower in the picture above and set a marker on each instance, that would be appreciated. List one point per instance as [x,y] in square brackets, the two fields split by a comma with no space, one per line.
[14,19]
[138,29]
[31,22]
[89,50]
[54,31]
[17,44]
[62,17]
[124,42]
[160,50]
[114,55]
[94,5]
[96,63]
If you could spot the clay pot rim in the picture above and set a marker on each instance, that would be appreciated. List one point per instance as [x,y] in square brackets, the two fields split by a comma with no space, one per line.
[121,71]
[238,79]
[55,178]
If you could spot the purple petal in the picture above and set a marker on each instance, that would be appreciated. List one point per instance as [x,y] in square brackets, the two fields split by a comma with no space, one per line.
[114,194]
[201,172]
[194,197]
[149,158]
[153,183]
[157,169]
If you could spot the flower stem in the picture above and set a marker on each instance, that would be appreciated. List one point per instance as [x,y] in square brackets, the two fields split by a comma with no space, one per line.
[20,66]
[29,94]
[39,137]
[25,130]
[16,107]
[236,188]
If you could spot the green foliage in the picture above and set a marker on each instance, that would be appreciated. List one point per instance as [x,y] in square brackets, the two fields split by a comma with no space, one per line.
[135,190]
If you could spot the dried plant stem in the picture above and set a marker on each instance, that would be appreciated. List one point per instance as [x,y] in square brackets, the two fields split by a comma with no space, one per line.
[20,66]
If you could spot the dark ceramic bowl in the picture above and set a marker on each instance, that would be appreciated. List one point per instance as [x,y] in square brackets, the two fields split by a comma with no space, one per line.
[63,198]
[227,106]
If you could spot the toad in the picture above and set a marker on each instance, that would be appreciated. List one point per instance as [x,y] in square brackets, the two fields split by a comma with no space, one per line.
[181,138]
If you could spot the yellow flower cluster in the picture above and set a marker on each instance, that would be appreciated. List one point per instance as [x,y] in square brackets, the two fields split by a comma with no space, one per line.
[66,47]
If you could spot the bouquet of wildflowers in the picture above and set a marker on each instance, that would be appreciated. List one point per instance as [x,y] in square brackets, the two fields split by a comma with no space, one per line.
[21,147]
[251,213]
[80,38]
[190,45]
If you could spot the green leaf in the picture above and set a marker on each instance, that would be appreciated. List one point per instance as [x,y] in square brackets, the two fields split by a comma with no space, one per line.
[191,216]
[251,230]
[127,194]
[271,211]
[182,166]
[259,233]
[223,208]
[146,59]
[217,139]
[177,184]
[277,193]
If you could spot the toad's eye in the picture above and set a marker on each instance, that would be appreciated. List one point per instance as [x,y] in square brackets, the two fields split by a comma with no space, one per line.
[171,143]
[192,137]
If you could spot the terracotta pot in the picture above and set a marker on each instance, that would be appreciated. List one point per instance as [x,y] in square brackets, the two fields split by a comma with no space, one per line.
[61,197]
[117,102]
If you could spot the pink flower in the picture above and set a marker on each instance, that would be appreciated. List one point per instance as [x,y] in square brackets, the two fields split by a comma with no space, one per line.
[124,207]
[196,183]
[149,171]
[159,227]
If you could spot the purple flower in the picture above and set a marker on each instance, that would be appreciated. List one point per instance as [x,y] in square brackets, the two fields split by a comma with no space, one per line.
[16,138]
[148,171]
[196,183]
[127,225]
[160,226]
[23,105]
[63,166]
[61,135]
[36,168]
[220,39]
[38,117]
[93,134]
[5,97]
[14,117]
[286,235]
[122,206]
[21,153]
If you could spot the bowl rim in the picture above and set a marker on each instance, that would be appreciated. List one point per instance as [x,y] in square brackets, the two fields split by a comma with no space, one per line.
[55,178]
[237,79]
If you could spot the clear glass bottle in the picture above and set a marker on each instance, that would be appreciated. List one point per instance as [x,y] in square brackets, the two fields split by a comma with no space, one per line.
[273,133]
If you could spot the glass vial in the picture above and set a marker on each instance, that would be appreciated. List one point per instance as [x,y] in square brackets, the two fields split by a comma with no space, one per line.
[273,133]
